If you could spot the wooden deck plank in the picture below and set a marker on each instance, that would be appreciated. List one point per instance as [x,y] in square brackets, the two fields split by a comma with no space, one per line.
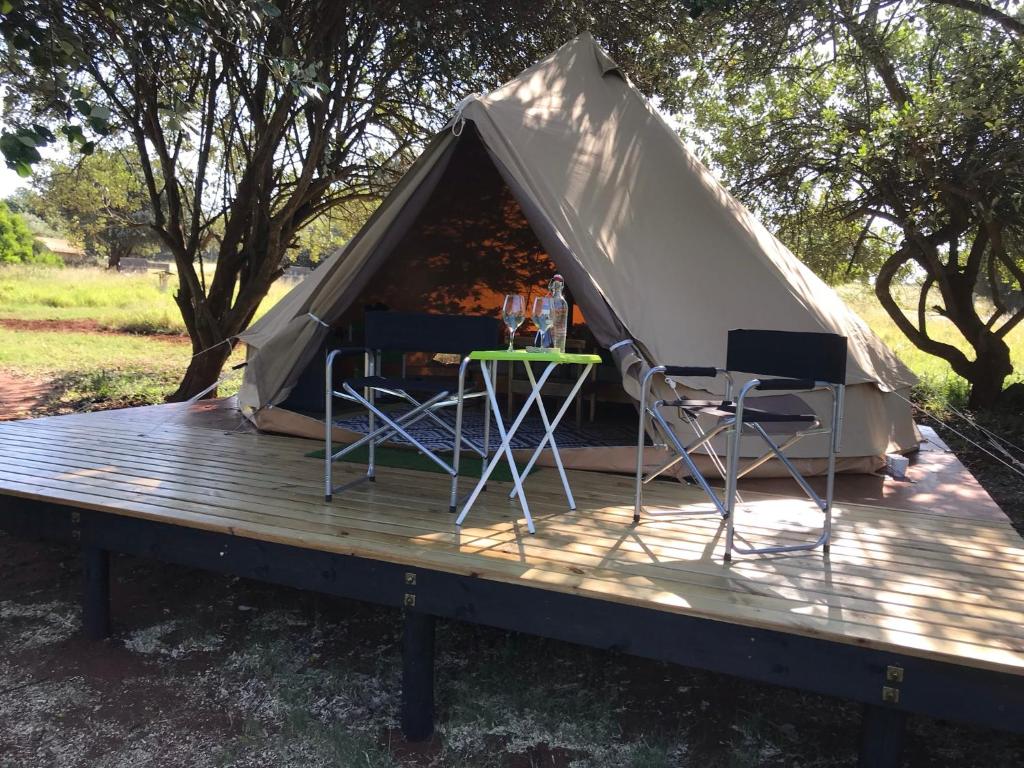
[939,485]
[594,554]
[302,491]
[695,526]
[431,519]
[591,558]
[230,454]
[934,586]
[222,459]
[901,637]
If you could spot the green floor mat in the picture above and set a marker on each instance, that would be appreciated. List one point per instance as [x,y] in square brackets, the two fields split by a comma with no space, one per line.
[470,465]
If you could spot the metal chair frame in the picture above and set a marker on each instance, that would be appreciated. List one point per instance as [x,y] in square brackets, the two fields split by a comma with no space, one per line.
[391,425]
[735,426]
[670,440]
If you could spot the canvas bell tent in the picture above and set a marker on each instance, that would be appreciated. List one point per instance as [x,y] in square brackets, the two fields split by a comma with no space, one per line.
[568,168]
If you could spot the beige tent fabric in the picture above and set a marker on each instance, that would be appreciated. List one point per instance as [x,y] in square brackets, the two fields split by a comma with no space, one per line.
[282,341]
[677,258]
[671,258]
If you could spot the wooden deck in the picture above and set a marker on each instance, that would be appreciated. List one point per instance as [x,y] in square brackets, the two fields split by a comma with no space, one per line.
[920,584]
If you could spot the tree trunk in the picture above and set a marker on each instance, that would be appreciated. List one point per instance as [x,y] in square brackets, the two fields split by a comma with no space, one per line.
[991,365]
[989,371]
[221,320]
[203,370]
[114,255]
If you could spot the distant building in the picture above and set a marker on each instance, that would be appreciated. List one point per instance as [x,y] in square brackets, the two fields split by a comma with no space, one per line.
[72,255]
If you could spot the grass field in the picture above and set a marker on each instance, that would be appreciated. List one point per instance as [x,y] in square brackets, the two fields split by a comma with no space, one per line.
[103,337]
[939,384]
[134,303]
[144,367]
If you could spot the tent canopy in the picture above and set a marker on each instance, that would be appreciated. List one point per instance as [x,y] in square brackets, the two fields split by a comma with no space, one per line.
[567,166]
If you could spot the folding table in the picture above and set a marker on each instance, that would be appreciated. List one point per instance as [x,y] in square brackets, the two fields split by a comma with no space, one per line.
[488,366]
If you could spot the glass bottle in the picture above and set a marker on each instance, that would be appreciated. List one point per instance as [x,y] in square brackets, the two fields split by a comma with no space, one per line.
[559,313]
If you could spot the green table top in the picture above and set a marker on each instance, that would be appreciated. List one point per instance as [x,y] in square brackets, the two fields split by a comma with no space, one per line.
[540,357]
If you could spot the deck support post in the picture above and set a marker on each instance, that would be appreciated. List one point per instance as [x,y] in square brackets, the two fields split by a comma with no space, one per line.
[96,592]
[417,675]
[881,737]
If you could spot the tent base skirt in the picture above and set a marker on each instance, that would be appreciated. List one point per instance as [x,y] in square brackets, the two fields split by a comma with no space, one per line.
[617,459]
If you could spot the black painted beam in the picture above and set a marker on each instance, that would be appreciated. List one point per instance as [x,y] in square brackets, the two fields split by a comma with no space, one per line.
[882,731]
[96,592]
[844,670]
[417,675]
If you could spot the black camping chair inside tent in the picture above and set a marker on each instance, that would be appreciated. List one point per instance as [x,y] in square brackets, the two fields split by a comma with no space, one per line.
[404,333]
[795,361]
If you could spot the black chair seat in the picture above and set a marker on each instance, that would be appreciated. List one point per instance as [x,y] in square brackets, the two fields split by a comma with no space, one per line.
[724,409]
[429,384]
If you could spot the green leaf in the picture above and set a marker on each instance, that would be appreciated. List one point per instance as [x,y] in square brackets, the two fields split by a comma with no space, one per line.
[43,133]
[6,6]
[271,10]
[73,133]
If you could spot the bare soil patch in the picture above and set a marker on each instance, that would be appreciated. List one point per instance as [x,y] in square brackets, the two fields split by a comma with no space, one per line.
[20,395]
[79,326]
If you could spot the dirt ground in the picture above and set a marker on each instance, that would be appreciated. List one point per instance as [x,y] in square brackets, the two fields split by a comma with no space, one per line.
[75,326]
[20,396]
[207,670]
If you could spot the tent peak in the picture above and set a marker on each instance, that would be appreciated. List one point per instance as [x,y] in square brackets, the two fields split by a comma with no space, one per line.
[604,59]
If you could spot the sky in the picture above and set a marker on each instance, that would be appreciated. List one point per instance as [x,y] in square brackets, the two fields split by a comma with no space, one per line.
[9,182]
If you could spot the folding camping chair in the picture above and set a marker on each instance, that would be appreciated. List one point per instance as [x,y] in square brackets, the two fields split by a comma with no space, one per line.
[404,333]
[797,362]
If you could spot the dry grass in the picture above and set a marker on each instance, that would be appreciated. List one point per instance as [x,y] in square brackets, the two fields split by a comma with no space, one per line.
[939,385]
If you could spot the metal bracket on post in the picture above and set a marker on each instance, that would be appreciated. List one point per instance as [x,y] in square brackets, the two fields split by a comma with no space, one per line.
[893,679]
[893,674]
[883,726]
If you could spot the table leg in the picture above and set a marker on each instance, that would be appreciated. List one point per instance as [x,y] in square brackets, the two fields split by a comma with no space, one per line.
[506,446]
[549,438]
[550,435]
[454,500]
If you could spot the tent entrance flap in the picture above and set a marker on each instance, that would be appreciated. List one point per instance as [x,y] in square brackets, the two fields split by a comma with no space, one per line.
[471,243]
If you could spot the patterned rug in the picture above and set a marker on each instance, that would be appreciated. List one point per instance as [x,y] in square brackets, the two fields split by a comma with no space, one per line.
[591,434]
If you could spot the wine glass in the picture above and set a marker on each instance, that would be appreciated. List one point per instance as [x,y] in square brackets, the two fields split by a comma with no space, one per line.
[513,312]
[542,310]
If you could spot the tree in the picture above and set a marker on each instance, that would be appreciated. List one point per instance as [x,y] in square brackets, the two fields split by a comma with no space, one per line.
[252,118]
[330,231]
[17,245]
[15,239]
[903,117]
[101,201]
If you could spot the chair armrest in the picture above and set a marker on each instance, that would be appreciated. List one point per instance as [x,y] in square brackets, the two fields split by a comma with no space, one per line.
[691,370]
[344,352]
[779,384]
[349,351]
